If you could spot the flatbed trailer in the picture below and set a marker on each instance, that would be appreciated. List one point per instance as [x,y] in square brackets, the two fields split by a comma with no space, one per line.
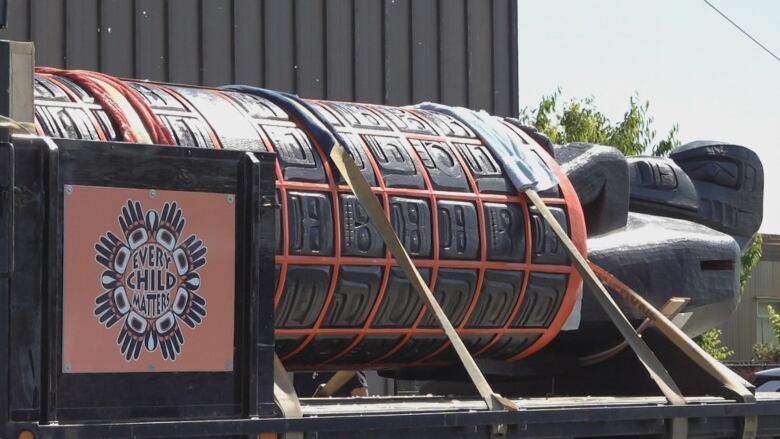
[47,185]
[437,417]
[43,172]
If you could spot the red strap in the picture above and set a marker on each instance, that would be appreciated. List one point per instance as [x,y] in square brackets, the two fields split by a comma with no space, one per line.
[102,96]
[159,132]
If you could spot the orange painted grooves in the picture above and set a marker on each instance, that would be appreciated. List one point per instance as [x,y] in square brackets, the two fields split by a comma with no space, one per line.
[387,261]
[335,261]
[483,252]
[506,327]
[578,235]
[336,267]
[428,193]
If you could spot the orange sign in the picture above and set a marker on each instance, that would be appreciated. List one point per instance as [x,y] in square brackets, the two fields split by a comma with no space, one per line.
[149,280]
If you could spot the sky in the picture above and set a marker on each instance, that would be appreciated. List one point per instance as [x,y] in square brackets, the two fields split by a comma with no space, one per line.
[694,67]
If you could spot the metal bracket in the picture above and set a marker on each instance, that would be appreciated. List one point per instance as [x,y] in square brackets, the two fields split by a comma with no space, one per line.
[17,60]
[498,431]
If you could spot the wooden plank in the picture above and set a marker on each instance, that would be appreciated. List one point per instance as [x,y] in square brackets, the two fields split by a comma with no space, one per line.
[425,51]
[150,47]
[183,42]
[310,48]
[280,45]
[217,41]
[18,21]
[82,48]
[248,41]
[479,22]
[116,38]
[398,52]
[369,56]
[431,404]
[502,65]
[452,55]
[339,48]
[48,32]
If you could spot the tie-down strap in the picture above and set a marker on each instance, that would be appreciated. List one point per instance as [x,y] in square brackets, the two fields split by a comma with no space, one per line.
[733,383]
[331,142]
[524,170]
[529,174]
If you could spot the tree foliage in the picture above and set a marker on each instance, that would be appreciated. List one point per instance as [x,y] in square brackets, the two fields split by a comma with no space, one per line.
[750,258]
[766,353]
[579,120]
[774,319]
[769,352]
[711,342]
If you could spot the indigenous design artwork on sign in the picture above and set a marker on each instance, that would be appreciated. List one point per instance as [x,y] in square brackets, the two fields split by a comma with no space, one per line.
[150,280]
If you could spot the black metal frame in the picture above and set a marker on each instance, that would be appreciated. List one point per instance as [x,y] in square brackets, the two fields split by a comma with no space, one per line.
[50,396]
[719,420]
[6,264]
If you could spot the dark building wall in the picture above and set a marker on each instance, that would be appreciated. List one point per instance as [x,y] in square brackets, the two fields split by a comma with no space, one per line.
[459,52]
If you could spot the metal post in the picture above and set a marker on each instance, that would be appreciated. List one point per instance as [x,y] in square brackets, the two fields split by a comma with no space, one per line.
[17,61]
[6,271]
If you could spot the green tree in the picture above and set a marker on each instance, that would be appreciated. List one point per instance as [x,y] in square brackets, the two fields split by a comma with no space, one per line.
[769,352]
[750,258]
[711,343]
[579,120]
[774,318]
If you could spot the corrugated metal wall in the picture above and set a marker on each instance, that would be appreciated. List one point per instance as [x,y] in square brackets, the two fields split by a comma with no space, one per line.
[459,52]
[739,333]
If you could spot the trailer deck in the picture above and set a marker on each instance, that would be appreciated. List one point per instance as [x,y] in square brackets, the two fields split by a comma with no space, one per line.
[438,417]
